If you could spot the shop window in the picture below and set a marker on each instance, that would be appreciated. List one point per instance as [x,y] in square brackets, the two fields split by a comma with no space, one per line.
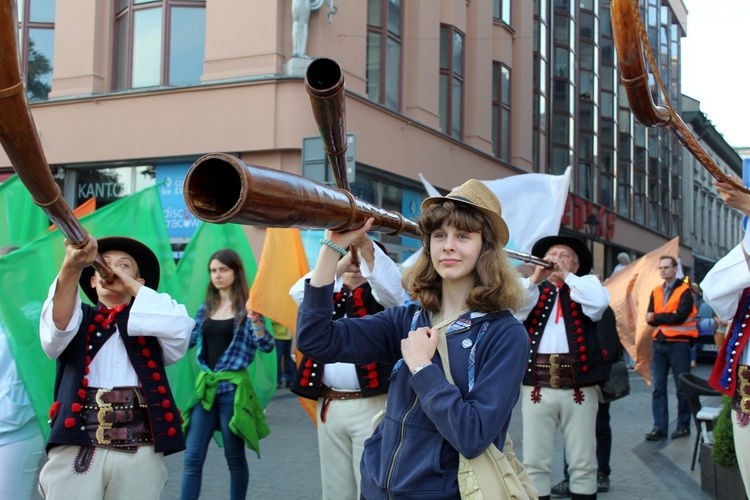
[111,184]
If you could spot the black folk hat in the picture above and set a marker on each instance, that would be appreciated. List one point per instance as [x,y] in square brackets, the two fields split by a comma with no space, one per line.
[578,246]
[148,264]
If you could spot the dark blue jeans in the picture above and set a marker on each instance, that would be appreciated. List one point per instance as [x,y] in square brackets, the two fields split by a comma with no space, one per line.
[666,355]
[202,426]
[285,366]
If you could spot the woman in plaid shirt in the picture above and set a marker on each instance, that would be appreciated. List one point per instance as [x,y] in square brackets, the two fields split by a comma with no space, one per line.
[226,335]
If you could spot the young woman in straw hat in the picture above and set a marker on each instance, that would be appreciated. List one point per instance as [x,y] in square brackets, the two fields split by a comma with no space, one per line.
[464,280]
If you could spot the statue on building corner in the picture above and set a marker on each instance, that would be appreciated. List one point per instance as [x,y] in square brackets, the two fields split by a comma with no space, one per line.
[301,10]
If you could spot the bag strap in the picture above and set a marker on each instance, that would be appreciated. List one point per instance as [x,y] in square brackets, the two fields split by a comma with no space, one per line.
[442,346]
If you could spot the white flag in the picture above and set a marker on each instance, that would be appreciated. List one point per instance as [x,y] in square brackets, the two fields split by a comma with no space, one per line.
[532,205]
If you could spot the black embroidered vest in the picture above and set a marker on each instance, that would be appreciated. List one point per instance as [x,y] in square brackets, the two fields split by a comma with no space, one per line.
[589,366]
[373,377]
[144,353]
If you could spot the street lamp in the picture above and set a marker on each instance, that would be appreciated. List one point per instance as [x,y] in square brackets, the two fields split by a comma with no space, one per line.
[592,227]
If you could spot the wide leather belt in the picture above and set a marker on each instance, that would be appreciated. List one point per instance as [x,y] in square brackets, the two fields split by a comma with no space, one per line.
[741,399]
[117,418]
[554,371]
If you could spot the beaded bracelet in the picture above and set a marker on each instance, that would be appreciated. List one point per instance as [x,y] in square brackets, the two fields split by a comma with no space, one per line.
[333,245]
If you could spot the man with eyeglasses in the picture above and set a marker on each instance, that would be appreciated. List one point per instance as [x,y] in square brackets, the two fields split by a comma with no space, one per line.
[671,312]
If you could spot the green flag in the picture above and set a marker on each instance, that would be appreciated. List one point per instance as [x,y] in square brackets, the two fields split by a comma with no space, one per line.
[27,274]
[21,220]
[189,287]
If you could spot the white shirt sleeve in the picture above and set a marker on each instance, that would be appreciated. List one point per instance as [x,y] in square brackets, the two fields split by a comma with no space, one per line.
[55,341]
[158,315]
[532,297]
[590,293]
[386,282]
[722,287]
[297,292]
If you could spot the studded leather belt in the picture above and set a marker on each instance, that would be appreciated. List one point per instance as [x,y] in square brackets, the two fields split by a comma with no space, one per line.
[741,399]
[554,371]
[117,418]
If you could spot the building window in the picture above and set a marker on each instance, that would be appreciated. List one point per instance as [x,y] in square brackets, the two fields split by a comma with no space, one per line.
[451,81]
[159,43]
[501,11]
[501,111]
[384,52]
[36,30]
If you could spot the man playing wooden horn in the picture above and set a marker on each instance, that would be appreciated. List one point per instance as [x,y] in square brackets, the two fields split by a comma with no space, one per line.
[566,362]
[114,418]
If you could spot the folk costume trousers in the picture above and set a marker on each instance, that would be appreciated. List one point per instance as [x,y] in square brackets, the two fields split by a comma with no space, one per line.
[341,440]
[555,409]
[112,475]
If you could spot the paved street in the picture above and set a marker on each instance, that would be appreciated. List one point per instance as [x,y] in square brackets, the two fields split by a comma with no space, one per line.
[289,465]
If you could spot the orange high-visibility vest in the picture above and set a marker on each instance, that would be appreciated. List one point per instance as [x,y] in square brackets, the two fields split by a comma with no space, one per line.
[686,330]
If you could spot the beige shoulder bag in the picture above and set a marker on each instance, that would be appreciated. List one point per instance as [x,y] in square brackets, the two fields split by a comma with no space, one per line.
[494,474]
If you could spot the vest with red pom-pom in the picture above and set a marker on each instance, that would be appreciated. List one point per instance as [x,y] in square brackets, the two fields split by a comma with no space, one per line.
[66,414]
[374,378]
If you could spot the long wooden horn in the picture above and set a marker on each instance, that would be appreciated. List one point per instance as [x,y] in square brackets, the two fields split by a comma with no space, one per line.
[221,188]
[630,40]
[19,138]
[324,82]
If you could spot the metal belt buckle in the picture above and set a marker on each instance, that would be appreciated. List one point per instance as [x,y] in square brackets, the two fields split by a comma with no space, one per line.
[745,404]
[554,371]
[104,408]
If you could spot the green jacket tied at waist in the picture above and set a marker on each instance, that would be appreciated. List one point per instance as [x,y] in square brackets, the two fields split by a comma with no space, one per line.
[248,420]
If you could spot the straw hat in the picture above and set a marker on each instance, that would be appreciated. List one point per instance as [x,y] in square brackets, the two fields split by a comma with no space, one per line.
[477,195]
[578,246]
[148,264]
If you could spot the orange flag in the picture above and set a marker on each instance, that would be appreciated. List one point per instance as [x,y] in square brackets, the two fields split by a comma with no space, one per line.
[282,263]
[84,208]
[630,292]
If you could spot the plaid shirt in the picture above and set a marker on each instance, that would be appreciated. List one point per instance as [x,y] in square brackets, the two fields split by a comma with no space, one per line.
[240,352]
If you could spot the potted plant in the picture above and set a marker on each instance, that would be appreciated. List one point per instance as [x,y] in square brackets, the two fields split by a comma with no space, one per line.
[720,475]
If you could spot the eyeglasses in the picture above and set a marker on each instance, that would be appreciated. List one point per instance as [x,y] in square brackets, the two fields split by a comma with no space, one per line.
[665,268]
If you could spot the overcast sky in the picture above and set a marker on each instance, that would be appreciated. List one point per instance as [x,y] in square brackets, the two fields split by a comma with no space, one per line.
[716,64]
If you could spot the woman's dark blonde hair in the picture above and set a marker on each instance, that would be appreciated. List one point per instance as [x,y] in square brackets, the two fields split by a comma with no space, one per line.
[496,279]
[239,291]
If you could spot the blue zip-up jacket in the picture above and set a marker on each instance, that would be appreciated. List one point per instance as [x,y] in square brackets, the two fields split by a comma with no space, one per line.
[413,452]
